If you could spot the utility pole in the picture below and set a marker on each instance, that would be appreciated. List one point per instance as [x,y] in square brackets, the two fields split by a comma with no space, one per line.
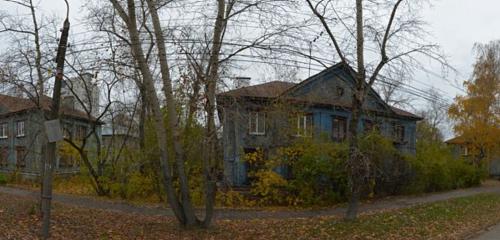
[50,155]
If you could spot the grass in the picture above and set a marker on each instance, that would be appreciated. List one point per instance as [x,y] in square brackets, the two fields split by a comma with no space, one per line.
[453,219]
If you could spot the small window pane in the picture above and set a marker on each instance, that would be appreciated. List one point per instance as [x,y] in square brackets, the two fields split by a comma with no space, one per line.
[20,129]
[398,133]
[3,130]
[257,123]
[304,125]
[339,128]
[261,123]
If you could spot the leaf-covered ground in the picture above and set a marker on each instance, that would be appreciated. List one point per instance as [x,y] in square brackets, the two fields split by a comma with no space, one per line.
[453,219]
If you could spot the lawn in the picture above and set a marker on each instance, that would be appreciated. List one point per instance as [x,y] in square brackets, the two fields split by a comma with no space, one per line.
[454,219]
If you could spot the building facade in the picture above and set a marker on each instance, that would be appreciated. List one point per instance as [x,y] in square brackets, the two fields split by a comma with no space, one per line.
[272,115]
[461,148]
[81,93]
[22,135]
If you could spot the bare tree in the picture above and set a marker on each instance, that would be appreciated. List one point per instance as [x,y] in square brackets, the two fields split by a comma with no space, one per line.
[393,40]
[206,65]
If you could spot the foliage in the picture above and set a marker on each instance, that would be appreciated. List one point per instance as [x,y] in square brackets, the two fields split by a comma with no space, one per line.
[389,169]
[78,184]
[427,132]
[452,219]
[435,169]
[234,199]
[3,179]
[317,172]
[313,172]
[477,115]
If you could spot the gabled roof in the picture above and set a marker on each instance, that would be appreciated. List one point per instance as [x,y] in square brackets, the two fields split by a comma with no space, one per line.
[281,89]
[459,140]
[17,104]
[315,76]
[264,90]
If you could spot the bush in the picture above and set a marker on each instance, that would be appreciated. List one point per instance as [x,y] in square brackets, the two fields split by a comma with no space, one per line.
[3,179]
[306,173]
[313,172]
[318,172]
[435,169]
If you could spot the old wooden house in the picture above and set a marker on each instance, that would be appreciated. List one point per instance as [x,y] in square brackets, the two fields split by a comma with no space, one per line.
[22,135]
[270,115]
[463,148]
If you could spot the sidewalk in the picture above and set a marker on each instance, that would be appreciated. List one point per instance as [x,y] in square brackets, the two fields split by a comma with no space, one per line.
[492,233]
[392,203]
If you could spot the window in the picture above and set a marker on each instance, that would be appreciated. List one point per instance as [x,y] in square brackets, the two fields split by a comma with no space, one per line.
[20,129]
[303,124]
[466,151]
[340,91]
[399,133]
[66,161]
[257,123]
[4,130]
[369,126]
[21,157]
[339,128]
[4,157]
[81,132]
[66,133]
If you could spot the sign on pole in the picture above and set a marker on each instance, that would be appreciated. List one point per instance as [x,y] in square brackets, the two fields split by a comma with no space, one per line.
[54,130]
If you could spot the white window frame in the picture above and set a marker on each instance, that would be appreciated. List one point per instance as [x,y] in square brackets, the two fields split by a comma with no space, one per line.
[256,117]
[302,130]
[4,130]
[20,128]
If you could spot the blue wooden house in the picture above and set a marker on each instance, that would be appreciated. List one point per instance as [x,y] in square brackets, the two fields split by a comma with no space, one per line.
[271,115]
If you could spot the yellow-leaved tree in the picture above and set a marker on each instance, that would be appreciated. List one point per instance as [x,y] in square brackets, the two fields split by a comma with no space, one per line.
[477,114]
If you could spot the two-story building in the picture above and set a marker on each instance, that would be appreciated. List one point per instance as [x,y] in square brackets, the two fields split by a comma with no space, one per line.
[270,115]
[22,135]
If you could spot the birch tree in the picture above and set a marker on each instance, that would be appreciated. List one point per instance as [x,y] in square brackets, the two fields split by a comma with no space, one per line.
[477,114]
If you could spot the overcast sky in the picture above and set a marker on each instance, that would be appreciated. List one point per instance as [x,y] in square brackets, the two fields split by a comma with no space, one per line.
[455,25]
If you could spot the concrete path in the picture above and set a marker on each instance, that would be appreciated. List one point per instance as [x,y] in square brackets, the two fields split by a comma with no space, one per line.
[492,233]
[384,204]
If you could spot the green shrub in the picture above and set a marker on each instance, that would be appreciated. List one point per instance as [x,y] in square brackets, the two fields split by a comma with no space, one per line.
[316,171]
[313,174]
[3,179]
[435,169]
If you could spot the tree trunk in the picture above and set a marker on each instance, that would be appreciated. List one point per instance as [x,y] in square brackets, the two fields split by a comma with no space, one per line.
[190,217]
[152,98]
[142,120]
[355,165]
[210,159]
